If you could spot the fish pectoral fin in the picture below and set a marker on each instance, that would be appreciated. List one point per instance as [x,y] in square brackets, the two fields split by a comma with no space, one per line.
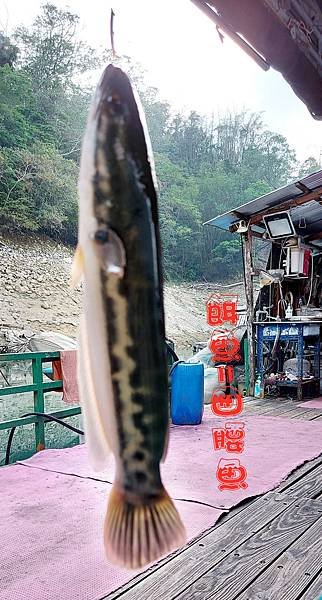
[138,534]
[77,267]
[111,253]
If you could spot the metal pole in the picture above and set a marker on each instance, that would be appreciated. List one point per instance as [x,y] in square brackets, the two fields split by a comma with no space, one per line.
[39,406]
[248,275]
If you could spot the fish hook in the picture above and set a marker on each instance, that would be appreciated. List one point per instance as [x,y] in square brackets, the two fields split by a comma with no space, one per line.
[112,33]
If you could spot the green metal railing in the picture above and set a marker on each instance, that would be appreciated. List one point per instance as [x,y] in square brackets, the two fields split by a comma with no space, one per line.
[38,387]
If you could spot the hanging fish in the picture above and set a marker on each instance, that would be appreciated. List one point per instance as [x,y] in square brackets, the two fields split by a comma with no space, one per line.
[122,372]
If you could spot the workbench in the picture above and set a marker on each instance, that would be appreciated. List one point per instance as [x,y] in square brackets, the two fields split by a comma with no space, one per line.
[301,332]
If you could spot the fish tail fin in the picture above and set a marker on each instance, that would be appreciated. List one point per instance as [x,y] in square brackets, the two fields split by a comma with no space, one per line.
[136,534]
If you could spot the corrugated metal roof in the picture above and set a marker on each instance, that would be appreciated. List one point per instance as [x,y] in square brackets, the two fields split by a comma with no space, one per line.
[312,210]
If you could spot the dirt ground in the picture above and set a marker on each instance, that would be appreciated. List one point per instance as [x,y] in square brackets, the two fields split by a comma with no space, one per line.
[35,294]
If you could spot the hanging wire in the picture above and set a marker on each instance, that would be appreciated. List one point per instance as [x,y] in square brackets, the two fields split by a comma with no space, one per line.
[47,417]
[311,286]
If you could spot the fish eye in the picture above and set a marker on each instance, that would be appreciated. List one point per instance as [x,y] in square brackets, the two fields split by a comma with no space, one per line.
[114,105]
[113,98]
[101,236]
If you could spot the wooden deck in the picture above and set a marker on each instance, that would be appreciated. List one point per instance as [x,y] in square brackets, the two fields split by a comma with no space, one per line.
[267,548]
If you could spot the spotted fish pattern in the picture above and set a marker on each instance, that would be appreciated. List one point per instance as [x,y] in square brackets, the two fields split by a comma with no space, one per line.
[119,249]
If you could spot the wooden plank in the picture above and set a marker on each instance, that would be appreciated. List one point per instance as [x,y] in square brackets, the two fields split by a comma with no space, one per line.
[222,519]
[235,510]
[319,418]
[225,516]
[296,413]
[315,413]
[309,486]
[280,407]
[253,402]
[306,414]
[288,410]
[252,557]
[291,409]
[291,573]
[268,402]
[248,399]
[260,410]
[299,473]
[271,410]
[314,592]
[174,577]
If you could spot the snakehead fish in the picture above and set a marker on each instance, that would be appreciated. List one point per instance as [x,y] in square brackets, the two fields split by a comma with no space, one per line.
[122,370]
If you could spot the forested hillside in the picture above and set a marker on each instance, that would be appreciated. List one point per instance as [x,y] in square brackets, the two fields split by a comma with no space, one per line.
[204,166]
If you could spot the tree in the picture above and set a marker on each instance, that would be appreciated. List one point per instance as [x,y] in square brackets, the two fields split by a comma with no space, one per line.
[21,121]
[8,51]
[310,165]
[226,259]
[50,51]
[278,159]
[204,166]
[38,191]
[233,136]
[180,220]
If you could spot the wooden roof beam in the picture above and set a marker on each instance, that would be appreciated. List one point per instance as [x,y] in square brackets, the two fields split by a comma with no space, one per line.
[313,236]
[228,30]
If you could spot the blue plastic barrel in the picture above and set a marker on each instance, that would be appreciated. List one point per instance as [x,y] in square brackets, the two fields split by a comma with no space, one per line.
[187,393]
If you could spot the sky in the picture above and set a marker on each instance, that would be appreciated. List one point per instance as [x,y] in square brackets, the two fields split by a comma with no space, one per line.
[180,50]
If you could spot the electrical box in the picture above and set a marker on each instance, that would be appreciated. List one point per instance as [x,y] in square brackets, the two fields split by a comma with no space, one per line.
[298,261]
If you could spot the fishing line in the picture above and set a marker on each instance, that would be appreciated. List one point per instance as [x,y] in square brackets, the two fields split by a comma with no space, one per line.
[112,34]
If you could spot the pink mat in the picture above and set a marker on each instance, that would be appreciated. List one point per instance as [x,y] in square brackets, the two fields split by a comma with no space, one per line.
[315,403]
[51,536]
[274,446]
